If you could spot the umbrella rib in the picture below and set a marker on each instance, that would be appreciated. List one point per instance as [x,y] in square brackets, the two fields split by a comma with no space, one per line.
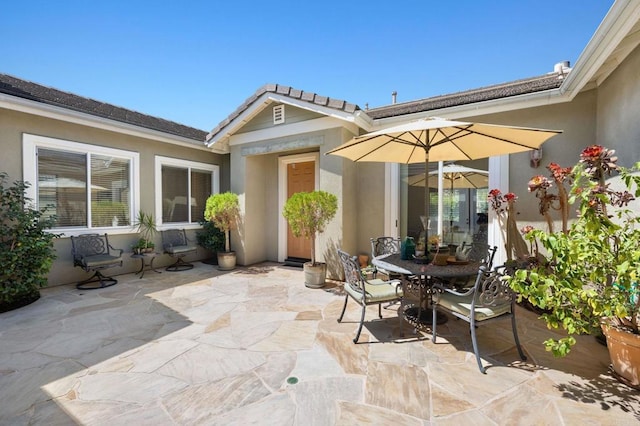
[393,139]
[457,136]
[446,138]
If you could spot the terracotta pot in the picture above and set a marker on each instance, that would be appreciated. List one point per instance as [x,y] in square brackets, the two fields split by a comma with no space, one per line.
[624,351]
[315,275]
[363,260]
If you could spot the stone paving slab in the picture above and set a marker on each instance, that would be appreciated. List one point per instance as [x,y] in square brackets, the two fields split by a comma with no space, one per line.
[255,346]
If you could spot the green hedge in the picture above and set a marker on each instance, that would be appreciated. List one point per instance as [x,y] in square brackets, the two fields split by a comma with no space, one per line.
[26,248]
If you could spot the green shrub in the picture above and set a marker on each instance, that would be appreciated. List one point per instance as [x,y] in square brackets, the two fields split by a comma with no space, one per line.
[308,213]
[26,248]
[223,210]
[211,238]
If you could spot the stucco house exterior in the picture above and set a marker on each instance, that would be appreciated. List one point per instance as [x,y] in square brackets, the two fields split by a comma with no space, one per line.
[132,161]
[275,143]
[596,101]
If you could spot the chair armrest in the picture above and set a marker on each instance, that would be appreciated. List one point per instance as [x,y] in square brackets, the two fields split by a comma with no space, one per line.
[380,282]
[115,249]
[442,288]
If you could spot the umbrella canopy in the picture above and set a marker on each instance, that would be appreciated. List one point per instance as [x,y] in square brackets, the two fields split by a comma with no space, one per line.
[437,139]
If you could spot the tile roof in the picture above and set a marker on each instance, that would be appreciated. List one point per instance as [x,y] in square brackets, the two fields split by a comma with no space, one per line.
[47,95]
[289,92]
[498,91]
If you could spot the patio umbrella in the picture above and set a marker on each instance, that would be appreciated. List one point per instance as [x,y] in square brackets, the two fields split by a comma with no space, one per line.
[454,176]
[437,139]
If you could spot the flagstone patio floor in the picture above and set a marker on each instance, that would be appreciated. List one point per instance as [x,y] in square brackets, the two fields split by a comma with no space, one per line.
[255,346]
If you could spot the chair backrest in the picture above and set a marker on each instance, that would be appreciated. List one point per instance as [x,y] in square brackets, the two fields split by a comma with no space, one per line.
[481,252]
[385,245]
[352,272]
[86,245]
[174,238]
[491,289]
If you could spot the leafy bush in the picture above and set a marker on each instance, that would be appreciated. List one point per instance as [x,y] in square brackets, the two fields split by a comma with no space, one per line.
[308,213]
[211,238]
[26,248]
[223,210]
[589,272]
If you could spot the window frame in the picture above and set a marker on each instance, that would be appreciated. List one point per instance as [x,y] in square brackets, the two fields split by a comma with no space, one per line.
[30,145]
[189,165]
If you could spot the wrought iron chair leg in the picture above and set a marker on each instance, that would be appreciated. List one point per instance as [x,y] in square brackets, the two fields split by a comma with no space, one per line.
[474,340]
[434,316]
[380,310]
[95,278]
[515,336]
[390,304]
[364,308]
[179,265]
[344,307]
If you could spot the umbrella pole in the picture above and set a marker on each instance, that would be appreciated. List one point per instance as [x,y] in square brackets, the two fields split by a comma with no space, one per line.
[426,200]
[451,214]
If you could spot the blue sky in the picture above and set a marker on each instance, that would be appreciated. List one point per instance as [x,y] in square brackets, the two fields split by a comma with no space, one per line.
[195,62]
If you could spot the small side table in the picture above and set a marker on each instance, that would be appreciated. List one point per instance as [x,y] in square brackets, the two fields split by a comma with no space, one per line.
[143,264]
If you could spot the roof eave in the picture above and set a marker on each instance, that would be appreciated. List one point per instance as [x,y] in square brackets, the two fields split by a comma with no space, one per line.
[219,141]
[64,114]
[529,100]
[615,26]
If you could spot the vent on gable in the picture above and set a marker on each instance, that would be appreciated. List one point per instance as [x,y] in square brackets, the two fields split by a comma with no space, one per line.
[278,114]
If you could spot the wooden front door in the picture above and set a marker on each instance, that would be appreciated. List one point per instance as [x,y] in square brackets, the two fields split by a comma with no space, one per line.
[300,178]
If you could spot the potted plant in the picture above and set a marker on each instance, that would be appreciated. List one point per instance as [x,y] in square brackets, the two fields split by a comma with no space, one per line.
[308,214]
[146,226]
[211,238]
[223,210]
[26,246]
[589,276]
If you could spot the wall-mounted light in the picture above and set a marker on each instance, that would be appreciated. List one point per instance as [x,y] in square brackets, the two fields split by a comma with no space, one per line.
[535,157]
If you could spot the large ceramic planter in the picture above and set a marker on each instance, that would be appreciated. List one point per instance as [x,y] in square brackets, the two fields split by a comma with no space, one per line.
[226,260]
[624,351]
[315,275]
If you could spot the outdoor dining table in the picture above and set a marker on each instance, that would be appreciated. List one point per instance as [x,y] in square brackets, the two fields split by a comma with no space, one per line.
[418,277]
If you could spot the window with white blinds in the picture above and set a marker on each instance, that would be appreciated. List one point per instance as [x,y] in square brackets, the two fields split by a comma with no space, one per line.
[184,188]
[85,186]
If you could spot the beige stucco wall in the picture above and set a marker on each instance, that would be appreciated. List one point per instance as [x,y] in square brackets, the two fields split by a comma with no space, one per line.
[264,119]
[255,179]
[577,120]
[618,123]
[12,126]
[370,192]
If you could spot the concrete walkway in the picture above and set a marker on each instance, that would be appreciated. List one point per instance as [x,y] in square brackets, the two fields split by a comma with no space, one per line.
[254,346]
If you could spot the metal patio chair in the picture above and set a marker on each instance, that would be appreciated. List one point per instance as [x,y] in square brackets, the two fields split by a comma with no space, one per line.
[490,298]
[176,244]
[384,245]
[366,292]
[92,252]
